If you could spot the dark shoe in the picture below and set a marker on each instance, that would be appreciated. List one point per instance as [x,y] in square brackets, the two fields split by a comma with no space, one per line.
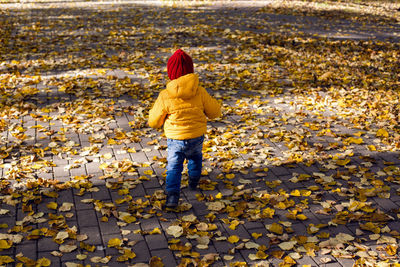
[172,200]
[193,183]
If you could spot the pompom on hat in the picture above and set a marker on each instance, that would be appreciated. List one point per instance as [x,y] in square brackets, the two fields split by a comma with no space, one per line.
[179,64]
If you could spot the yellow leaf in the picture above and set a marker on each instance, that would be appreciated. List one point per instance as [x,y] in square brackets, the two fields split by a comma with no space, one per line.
[323,235]
[121,200]
[370,227]
[368,209]
[391,249]
[275,228]
[114,242]
[218,196]
[233,239]
[111,142]
[52,205]
[103,166]
[352,140]
[230,176]
[43,262]
[313,187]
[261,255]
[268,212]
[301,217]
[343,162]
[129,219]
[5,259]
[81,257]
[123,191]
[155,231]
[289,261]
[234,224]
[131,150]
[371,148]
[128,254]
[256,235]
[281,206]
[382,133]
[277,254]
[148,172]
[295,193]
[359,133]
[156,262]
[87,247]
[5,244]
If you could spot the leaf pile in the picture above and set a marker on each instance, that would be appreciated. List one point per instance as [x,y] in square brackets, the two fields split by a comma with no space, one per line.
[303,163]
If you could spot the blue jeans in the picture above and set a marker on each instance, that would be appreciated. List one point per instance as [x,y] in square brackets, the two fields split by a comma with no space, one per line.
[178,150]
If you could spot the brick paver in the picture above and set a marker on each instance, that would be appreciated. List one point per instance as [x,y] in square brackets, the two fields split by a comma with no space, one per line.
[98,208]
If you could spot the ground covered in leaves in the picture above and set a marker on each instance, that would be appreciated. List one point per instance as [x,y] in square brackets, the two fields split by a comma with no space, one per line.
[302,169]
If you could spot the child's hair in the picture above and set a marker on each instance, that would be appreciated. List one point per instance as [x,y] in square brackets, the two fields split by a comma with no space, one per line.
[179,64]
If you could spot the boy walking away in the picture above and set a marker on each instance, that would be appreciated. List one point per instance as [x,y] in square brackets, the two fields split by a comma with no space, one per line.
[183,108]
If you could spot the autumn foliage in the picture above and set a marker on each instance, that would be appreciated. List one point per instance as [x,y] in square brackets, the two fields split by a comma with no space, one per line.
[309,137]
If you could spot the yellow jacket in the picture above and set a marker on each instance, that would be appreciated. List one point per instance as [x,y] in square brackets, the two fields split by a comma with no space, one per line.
[183,108]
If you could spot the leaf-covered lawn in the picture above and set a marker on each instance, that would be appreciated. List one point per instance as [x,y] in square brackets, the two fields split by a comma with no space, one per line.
[303,167]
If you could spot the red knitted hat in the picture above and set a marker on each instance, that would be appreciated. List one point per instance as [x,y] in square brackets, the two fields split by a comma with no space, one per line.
[179,64]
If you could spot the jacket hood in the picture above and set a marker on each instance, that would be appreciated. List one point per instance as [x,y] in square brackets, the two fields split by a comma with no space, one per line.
[184,87]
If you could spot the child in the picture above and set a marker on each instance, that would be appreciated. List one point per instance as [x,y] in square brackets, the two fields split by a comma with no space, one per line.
[182,108]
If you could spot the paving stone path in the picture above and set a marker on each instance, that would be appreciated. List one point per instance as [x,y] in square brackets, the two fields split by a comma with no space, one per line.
[116,140]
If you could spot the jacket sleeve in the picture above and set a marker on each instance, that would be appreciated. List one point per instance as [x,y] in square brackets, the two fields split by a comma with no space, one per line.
[212,108]
[157,114]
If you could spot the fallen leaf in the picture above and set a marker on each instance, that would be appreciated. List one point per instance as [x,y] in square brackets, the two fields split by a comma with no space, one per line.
[233,239]
[287,245]
[67,248]
[43,262]
[156,262]
[114,242]
[275,228]
[66,206]
[175,230]
[189,218]
[98,259]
